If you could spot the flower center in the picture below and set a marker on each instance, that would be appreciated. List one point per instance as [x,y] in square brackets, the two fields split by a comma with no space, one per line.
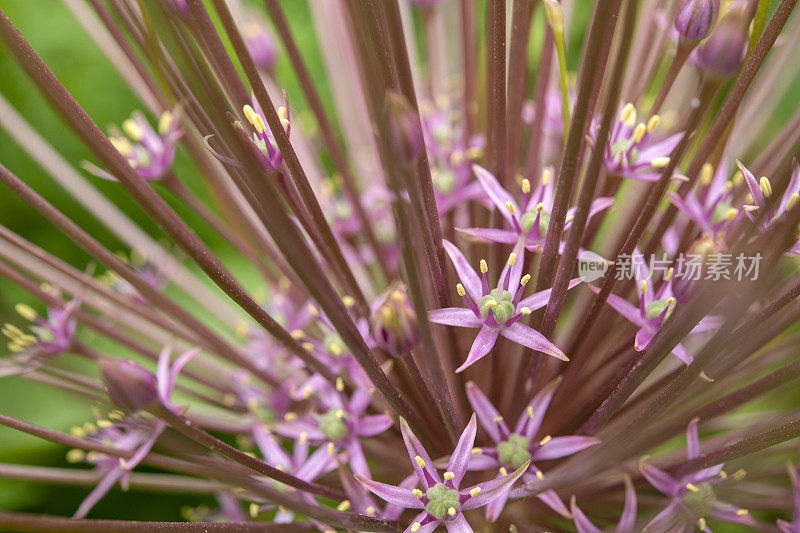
[528,220]
[334,345]
[332,425]
[700,499]
[514,451]
[441,500]
[654,309]
[445,181]
[499,301]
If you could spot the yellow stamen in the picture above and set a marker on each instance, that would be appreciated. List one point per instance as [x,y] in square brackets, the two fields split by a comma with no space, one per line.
[476,451]
[253,510]
[303,437]
[546,175]
[692,487]
[460,290]
[420,461]
[530,411]
[331,448]
[490,303]
[451,511]
[526,186]
[348,301]
[765,186]
[132,129]
[165,122]
[497,419]
[628,115]
[484,266]
[290,416]
[525,311]
[503,471]
[545,440]
[670,273]
[122,145]
[659,162]
[706,174]
[298,333]
[525,279]
[653,123]
[731,213]
[418,493]
[26,311]
[448,476]
[415,527]
[370,510]
[344,506]
[75,455]
[474,492]
[643,286]
[339,384]
[638,133]
[742,512]
[792,201]
[512,258]
[540,474]
[510,207]
[701,523]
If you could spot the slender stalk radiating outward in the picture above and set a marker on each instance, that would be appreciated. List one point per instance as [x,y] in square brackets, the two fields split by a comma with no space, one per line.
[446,265]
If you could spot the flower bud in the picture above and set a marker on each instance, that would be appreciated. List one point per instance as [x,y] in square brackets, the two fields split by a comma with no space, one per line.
[722,54]
[130,386]
[393,322]
[402,128]
[260,44]
[696,18]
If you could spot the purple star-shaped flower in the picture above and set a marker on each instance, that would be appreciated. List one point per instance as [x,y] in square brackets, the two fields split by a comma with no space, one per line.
[441,498]
[692,498]
[513,449]
[654,309]
[632,150]
[530,217]
[497,311]
[709,206]
[626,523]
[761,189]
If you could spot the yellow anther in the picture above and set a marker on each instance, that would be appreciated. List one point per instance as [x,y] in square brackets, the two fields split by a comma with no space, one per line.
[476,451]
[540,474]
[451,511]
[510,207]
[253,510]
[692,487]
[303,437]
[165,122]
[545,440]
[132,129]
[26,311]
[525,279]
[77,431]
[103,423]
[731,213]
[628,115]
[530,411]
[503,471]
[484,266]
[512,258]
[670,301]
[398,296]
[706,174]
[497,419]
[75,455]
[282,509]
[331,449]
[348,301]
[339,413]
[475,152]
[765,186]
[370,510]
[46,287]
[418,493]
[750,208]
[723,474]
[546,175]
[116,415]
[742,512]
[249,113]
[415,527]
[252,404]
[313,310]
[339,384]
[490,303]
[638,133]
[643,286]
[456,157]
[344,506]
[659,162]
[290,416]
[526,186]
[420,461]
[122,145]
[739,474]
[701,523]
[298,334]
[448,476]
[728,186]
[792,201]
[525,311]
[284,116]
[540,207]
[460,290]
[653,123]
[670,273]
[474,492]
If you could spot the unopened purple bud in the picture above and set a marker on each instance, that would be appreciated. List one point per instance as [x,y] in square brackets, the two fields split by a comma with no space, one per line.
[393,322]
[130,386]
[179,7]
[696,18]
[402,128]
[260,44]
[722,54]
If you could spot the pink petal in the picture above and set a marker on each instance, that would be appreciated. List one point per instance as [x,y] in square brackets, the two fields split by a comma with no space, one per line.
[501,236]
[492,489]
[390,493]
[692,439]
[582,524]
[458,525]
[529,337]
[563,446]
[427,474]
[455,316]
[487,413]
[627,521]
[531,420]
[541,298]
[483,344]
[659,479]
[372,425]
[496,192]
[461,455]
[469,278]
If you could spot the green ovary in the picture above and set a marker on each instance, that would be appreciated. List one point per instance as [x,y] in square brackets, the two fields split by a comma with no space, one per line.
[332,425]
[514,451]
[654,309]
[701,501]
[503,311]
[440,500]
